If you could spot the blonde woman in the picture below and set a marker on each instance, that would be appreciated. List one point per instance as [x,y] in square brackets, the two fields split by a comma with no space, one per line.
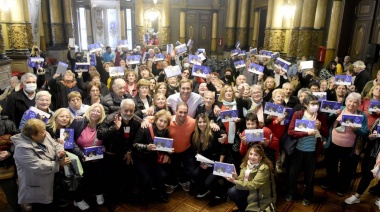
[269,86]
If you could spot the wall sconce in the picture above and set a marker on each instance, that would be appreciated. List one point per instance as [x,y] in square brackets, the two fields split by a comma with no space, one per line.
[288,9]
[152,14]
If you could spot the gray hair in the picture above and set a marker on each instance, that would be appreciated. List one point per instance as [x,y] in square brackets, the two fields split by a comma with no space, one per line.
[26,76]
[127,102]
[43,93]
[359,64]
[356,96]
[257,87]
[14,79]
[303,90]
[286,84]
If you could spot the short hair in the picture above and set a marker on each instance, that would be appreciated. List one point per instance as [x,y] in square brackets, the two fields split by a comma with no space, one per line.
[92,84]
[217,74]
[227,69]
[143,82]
[287,84]
[43,93]
[130,72]
[158,85]
[185,81]
[303,90]
[14,79]
[308,99]
[108,47]
[127,102]
[26,76]
[165,113]
[116,81]
[209,92]
[356,96]
[182,104]
[107,63]
[257,87]
[313,84]
[223,91]
[102,112]
[74,94]
[278,90]
[94,74]
[69,72]
[32,127]
[359,64]
[252,117]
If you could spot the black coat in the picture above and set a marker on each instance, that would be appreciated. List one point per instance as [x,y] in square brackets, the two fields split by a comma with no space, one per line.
[59,93]
[111,103]
[17,104]
[361,79]
[139,105]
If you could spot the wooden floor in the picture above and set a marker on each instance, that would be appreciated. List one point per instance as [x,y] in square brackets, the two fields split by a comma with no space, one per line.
[324,200]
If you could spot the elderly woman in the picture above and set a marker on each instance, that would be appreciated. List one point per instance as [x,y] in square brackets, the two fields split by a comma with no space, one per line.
[93,88]
[130,85]
[43,100]
[94,77]
[146,156]
[142,100]
[269,86]
[38,157]
[302,93]
[161,87]
[361,76]
[85,135]
[337,95]
[76,107]
[62,88]
[344,142]
[207,108]
[160,103]
[13,87]
[373,95]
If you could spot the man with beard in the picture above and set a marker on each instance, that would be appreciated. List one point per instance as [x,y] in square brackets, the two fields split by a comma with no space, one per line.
[117,133]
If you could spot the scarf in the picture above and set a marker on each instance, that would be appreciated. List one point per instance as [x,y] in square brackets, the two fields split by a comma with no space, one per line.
[231,125]
[253,108]
[251,165]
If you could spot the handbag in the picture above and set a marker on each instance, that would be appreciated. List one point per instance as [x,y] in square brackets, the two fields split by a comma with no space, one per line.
[70,178]
[289,143]
[161,158]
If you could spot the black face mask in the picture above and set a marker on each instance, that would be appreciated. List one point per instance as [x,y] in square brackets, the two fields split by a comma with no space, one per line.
[79,57]
[228,77]
[309,76]
[36,50]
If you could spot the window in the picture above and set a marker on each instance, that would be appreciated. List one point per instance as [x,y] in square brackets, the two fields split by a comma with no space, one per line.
[82,28]
[128,28]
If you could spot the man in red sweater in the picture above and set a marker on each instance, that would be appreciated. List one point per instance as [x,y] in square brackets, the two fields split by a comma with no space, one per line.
[183,159]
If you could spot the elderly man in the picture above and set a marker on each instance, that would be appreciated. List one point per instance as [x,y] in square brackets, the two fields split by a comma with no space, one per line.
[362,76]
[13,87]
[347,65]
[290,100]
[370,84]
[20,101]
[111,101]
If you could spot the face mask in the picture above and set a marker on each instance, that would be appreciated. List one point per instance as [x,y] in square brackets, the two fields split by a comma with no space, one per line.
[228,76]
[30,87]
[79,57]
[309,76]
[36,49]
[125,117]
[313,108]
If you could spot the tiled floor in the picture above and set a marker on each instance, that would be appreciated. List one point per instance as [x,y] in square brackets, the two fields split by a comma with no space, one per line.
[180,201]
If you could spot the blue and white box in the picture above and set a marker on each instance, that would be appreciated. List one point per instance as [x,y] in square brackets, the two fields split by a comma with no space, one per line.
[146,37]
[266,53]
[145,57]
[237,45]
[229,115]
[94,47]
[93,153]
[223,169]
[320,95]
[122,43]
[304,125]
[172,71]
[159,57]
[330,106]
[235,52]
[169,48]
[190,43]
[275,55]
[92,59]
[378,132]
[84,67]
[283,64]
[163,144]
[256,69]
[200,71]
[242,53]
[352,120]
[253,51]
[181,49]
[194,59]
[35,62]
[307,64]
[116,71]
[239,64]
[34,113]
[254,135]
[178,43]
[62,68]
[343,80]
[374,106]
[274,109]
[133,59]
[67,135]
[288,113]
[201,50]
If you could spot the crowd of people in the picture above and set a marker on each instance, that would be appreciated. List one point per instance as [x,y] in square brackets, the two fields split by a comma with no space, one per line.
[125,114]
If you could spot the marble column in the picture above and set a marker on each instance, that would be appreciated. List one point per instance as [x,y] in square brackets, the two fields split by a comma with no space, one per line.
[333,31]
[319,23]
[306,28]
[277,35]
[165,28]
[68,20]
[229,39]
[294,34]
[28,24]
[256,29]
[242,23]
[122,23]
[182,26]
[57,28]
[45,21]
[251,23]
[139,20]
[214,32]
[268,24]
[90,37]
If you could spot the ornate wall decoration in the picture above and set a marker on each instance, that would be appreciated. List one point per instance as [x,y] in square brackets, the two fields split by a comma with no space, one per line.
[34,13]
[165,35]
[140,34]
[203,32]
[2,45]
[241,36]
[230,37]
[19,39]
[99,25]
[29,34]
[47,34]
[266,38]
[191,31]
[316,39]
[277,39]
[292,52]
[304,43]
[56,34]
[69,31]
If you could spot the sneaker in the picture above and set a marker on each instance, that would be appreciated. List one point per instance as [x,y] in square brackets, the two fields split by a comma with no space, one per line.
[288,198]
[203,194]
[171,188]
[99,199]
[352,200]
[377,202]
[185,186]
[306,202]
[82,205]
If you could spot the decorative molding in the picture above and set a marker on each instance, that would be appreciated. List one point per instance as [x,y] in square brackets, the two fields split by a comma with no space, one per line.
[165,35]
[230,37]
[304,43]
[140,34]
[29,34]
[277,40]
[317,36]
[56,34]
[18,36]
[266,38]
[241,36]
[47,34]
[292,51]
[69,32]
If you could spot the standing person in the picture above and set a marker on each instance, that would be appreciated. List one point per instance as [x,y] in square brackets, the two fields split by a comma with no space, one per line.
[180,130]
[36,52]
[369,84]
[77,59]
[362,76]
[347,65]
[20,101]
[269,86]
[112,101]
[329,71]
[60,89]
[108,56]
[131,85]
[76,107]
[305,150]
[142,100]
[255,188]
[38,157]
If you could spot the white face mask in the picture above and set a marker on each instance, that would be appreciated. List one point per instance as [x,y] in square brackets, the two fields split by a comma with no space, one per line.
[313,108]
[30,87]
[125,117]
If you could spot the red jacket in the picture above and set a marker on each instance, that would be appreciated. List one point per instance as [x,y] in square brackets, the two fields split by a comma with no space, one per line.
[272,141]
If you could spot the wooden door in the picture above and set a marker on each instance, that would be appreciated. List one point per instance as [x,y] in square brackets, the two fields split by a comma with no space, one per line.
[198,28]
